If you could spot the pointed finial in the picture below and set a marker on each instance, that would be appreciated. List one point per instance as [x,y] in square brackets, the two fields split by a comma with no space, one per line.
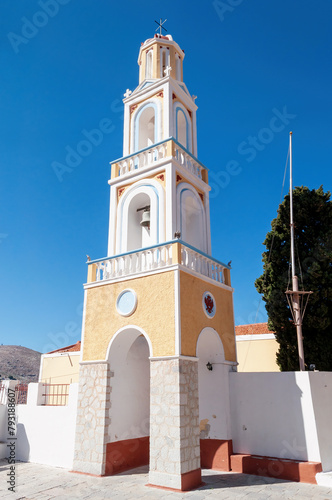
[160,25]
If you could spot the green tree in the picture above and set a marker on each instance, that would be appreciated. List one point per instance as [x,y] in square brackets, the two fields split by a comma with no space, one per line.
[313,256]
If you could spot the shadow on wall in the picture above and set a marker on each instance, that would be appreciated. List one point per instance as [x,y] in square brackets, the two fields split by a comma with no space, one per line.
[23,446]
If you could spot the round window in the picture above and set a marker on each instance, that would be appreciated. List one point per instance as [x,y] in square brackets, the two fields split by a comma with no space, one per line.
[126,302]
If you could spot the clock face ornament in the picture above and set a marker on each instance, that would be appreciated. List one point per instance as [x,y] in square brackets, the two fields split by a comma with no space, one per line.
[126,302]
[209,304]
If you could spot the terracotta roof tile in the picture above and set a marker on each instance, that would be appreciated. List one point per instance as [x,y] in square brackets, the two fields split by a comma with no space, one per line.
[70,348]
[255,329]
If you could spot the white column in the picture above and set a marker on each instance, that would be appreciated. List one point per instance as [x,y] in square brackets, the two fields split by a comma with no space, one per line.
[170,213]
[166,112]
[126,129]
[112,222]
[207,221]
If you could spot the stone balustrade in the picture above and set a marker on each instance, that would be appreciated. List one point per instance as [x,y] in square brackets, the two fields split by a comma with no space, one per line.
[151,156]
[158,257]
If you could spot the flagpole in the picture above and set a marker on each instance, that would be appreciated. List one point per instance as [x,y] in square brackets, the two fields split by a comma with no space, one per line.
[296,297]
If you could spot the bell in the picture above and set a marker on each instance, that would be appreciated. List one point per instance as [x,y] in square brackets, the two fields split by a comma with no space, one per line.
[145,222]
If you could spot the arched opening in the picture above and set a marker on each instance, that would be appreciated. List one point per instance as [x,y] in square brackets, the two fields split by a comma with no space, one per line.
[214,403]
[182,128]
[148,65]
[129,428]
[192,225]
[138,236]
[178,68]
[163,62]
[145,128]
[130,234]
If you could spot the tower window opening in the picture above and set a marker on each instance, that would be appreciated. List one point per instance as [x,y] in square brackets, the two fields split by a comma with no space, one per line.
[163,62]
[192,220]
[146,128]
[138,233]
[178,68]
[181,128]
[148,65]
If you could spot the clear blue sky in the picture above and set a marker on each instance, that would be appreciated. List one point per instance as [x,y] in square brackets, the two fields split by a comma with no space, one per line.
[246,63]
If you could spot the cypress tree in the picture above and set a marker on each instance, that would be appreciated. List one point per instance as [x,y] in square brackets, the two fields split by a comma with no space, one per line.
[313,258]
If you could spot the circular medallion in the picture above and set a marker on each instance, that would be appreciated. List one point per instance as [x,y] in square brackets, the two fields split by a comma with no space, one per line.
[126,302]
[209,304]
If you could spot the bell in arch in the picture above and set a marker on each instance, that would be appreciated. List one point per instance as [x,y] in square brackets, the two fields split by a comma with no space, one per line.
[145,222]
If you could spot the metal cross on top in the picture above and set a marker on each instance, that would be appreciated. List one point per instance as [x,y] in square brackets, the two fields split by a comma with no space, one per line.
[160,25]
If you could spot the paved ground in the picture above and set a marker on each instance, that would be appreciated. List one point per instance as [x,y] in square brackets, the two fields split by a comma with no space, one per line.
[42,482]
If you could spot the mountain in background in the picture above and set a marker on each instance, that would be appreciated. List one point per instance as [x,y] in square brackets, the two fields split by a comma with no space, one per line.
[19,363]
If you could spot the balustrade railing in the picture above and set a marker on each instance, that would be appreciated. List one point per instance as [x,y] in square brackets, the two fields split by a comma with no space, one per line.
[187,161]
[201,264]
[134,262]
[157,257]
[142,159]
[55,394]
[154,154]
[21,394]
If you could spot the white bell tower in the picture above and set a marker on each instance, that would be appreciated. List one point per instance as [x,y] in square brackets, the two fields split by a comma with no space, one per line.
[159,170]
[158,309]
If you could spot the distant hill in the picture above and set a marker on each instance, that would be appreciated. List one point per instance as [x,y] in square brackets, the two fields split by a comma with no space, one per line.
[19,362]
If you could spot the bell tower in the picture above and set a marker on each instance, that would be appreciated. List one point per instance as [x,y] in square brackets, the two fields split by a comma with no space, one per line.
[159,123]
[158,308]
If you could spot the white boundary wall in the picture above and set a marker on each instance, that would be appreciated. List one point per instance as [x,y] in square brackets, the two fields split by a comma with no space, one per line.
[46,434]
[3,430]
[284,415]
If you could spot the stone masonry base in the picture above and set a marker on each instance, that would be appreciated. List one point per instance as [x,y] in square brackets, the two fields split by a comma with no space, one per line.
[92,418]
[174,423]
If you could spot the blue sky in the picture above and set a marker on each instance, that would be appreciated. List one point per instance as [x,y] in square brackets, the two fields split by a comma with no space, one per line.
[259,69]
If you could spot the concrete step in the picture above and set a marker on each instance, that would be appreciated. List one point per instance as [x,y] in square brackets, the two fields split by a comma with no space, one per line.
[281,468]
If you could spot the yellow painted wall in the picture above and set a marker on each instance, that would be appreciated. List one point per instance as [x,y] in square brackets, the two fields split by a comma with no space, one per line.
[154,314]
[193,318]
[257,355]
[61,369]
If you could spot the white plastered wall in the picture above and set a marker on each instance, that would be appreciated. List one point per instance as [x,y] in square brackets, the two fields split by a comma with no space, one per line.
[214,405]
[46,434]
[284,415]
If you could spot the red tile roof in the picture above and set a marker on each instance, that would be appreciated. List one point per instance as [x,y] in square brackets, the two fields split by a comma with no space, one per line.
[70,348]
[255,329]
